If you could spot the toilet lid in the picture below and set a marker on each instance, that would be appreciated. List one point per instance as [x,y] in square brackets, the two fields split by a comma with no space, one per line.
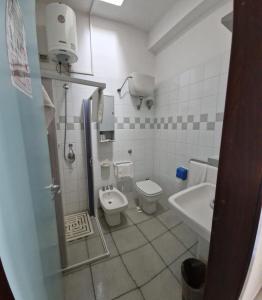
[148,187]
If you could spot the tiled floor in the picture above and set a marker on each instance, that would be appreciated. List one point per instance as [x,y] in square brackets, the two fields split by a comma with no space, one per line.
[146,255]
[88,247]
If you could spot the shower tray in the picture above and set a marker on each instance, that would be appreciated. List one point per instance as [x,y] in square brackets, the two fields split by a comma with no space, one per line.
[79,226]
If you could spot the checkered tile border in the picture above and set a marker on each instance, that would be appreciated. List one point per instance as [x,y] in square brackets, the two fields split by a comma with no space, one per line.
[204,121]
[180,122]
[77,123]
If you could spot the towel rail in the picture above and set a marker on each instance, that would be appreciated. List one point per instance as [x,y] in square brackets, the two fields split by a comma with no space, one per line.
[122,163]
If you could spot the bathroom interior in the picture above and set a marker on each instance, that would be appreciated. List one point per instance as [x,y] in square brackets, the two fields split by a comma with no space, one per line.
[133,97]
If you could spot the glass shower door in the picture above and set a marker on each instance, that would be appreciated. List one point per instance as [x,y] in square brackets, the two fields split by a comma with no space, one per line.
[28,232]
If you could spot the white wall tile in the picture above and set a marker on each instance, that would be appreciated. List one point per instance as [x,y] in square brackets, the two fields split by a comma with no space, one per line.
[196,74]
[202,91]
[213,67]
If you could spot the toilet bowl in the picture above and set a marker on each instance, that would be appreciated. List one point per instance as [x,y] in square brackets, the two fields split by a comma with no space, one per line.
[149,193]
[113,202]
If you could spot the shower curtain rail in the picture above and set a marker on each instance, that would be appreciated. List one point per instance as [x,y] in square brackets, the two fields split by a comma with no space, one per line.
[52,75]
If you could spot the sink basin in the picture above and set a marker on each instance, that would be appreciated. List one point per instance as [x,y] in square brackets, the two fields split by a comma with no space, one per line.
[194,207]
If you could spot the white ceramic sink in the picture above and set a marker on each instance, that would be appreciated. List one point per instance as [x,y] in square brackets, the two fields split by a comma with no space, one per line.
[193,206]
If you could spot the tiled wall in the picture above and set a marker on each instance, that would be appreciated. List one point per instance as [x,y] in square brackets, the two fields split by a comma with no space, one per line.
[110,67]
[189,118]
[133,131]
[186,122]
[73,176]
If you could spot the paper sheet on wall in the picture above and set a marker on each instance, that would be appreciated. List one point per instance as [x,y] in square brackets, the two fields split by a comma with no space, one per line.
[16,48]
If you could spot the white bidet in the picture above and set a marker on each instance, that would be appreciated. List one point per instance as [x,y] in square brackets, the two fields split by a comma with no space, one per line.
[113,202]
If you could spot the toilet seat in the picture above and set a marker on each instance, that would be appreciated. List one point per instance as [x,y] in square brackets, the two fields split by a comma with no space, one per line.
[148,188]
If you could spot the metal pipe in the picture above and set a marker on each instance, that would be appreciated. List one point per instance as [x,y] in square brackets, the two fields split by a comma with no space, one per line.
[62,77]
[81,73]
[119,90]
[90,34]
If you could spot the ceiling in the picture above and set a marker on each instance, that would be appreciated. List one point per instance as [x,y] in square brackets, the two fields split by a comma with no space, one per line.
[142,14]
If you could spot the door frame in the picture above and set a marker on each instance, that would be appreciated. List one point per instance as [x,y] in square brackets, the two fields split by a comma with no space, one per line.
[5,290]
[239,186]
[239,177]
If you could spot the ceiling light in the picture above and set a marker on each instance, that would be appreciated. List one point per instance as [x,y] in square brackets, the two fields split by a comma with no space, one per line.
[114,2]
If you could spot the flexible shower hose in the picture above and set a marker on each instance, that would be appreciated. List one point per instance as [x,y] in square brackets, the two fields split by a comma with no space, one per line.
[65,131]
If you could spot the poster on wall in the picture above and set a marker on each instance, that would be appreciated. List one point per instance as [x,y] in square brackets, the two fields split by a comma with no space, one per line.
[16,48]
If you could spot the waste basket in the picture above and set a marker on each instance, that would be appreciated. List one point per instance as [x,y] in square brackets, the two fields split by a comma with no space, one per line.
[193,279]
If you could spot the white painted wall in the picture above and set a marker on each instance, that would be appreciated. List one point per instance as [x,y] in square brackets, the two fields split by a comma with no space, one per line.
[180,9]
[203,42]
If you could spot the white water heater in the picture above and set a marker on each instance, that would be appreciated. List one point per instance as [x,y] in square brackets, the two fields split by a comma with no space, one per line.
[61,33]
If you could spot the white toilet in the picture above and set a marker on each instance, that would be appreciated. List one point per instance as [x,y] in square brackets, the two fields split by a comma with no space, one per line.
[149,193]
[113,202]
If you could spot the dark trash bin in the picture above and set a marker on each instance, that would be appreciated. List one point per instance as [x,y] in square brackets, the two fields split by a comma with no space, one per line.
[193,279]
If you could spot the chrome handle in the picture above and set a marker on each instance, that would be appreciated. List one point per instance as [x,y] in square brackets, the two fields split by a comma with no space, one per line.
[53,188]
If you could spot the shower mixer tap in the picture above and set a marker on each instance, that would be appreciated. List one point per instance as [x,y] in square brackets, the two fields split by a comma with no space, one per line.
[71,155]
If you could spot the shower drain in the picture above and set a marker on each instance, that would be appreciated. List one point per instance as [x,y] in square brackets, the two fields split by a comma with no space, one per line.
[78,226]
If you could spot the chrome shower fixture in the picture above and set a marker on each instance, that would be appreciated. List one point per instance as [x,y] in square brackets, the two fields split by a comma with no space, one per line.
[149,103]
[71,155]
[140,103]
[66,86]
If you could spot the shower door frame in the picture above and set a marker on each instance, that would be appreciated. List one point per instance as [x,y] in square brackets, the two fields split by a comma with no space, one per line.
[89,156]
[54,164]
[88,137]
[239,187]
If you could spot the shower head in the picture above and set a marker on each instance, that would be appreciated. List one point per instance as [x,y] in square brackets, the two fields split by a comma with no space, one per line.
[66,86]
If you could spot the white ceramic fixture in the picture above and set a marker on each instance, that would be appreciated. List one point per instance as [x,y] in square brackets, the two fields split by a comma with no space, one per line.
[113,202]
[124,169]
[149,193]
[61,33]
[141,85]
[194,206]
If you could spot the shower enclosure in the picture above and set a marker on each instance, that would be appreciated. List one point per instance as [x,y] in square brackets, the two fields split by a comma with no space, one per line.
[81,239]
